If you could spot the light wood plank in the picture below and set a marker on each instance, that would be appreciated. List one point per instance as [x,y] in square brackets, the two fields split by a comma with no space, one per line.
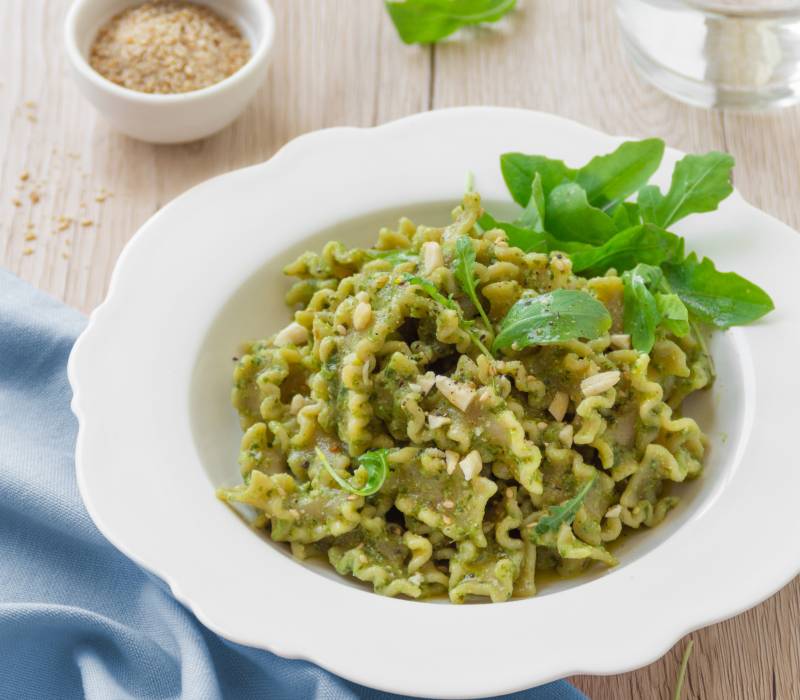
[335,63]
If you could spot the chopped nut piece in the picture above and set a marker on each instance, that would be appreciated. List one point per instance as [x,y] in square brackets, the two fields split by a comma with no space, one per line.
[447,520]
[614,511]
[599,383]
[294,334]
[448,504]
[362,315]
[460,395]
[566,434]
[471,465]
[431,256]
[559,405]
[426,381]
[437,421]
[621,341]
[451,458]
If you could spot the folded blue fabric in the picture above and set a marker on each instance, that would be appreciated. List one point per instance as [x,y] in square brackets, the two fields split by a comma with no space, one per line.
[77,618]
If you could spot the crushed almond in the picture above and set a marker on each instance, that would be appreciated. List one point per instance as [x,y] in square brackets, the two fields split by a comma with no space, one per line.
[471,465]
[621,341]
[460,395]
[435,421]
[600,382]
[559,405]
[451,459]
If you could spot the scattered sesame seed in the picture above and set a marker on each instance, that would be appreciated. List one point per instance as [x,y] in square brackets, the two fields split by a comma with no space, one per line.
[24,175]
[30,104]
[86,222]
[30,236]
[27,251]
[31,118]
[448,504]
[34,197]
[16,202]
[65,255]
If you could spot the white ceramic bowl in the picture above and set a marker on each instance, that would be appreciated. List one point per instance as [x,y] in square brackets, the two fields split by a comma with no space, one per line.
[178,117]
[151,376]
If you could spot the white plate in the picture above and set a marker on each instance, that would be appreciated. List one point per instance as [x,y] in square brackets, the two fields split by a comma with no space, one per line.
[151,376]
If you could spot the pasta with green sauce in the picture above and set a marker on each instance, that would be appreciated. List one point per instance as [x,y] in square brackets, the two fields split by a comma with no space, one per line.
[382,434]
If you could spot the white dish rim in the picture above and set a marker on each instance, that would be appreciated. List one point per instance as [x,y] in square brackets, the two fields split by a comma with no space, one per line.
[605,651]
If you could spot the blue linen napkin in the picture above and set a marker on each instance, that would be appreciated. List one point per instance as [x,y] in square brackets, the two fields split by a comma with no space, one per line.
[77,618]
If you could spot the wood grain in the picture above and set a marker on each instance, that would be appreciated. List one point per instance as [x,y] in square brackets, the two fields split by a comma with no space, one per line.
[339,62]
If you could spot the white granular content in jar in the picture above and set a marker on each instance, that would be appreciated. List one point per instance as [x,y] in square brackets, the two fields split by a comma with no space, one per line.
[166,46]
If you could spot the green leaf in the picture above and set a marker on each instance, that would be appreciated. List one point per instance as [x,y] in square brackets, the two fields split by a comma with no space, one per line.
[564,513]
[699,184]
[723,299]
[532,216]
[673,312]
[570,217]
[519,170]
[433,292]
[376,462]
[640,315]
[394,257]
[625,215]
[526,239]
[564,314]
[609,179]
[645,243]
[428,21]
[464,271]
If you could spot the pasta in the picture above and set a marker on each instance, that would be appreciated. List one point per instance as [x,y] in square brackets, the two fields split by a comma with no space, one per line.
[499,465]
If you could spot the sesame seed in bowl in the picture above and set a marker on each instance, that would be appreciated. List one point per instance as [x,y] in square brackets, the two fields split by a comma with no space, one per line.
[169,71]
[166,46]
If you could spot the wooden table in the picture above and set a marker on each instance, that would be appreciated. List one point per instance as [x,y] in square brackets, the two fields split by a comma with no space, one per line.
[341,63]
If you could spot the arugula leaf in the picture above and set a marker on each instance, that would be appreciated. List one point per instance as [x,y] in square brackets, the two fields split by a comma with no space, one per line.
[564,314]
[723,299]
[699,184]
[532,216]
[564,513]
[395,257]
[428,21]
[609,179]
[376,462]
[519,170]
[645,243]
[570,217]
[673,312]
[526,239]
[625,215]
[431,290]
[640,315]
[465,275]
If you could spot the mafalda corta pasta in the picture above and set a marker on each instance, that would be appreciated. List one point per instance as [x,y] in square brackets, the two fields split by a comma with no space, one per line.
[387,431]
